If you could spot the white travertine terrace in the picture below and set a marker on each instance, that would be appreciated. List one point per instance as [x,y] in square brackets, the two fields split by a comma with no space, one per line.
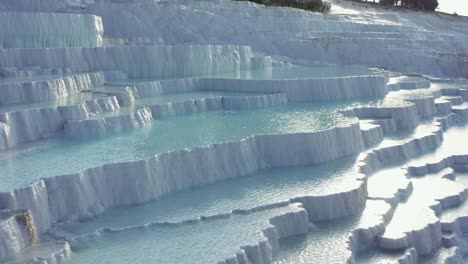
[43,30]
[74,72]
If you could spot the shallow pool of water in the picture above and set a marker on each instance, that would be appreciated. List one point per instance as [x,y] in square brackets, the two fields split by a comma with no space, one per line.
[64,156]
[262,188]
[203,242]
[177,97]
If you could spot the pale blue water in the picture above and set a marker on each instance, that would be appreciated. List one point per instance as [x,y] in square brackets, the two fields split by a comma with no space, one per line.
[262,188]
[166,98]
[64,156]
[205,242]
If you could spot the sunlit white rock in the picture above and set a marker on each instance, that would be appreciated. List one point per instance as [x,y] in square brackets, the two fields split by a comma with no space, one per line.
[44,30]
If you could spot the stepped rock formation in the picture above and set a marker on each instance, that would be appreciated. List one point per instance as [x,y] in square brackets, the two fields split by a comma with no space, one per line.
[220,131]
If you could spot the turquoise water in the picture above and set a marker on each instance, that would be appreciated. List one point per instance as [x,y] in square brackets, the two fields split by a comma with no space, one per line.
[167,98]
[64,156]
[262,188]
[204,242]
[65,101]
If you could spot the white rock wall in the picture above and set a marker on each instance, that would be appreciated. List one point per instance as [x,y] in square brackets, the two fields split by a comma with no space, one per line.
[186,107]
[95,127]
[385,40]
[14,234]
[29,72]
[42,123]
[217,103]
[155,88]
[307,89]
[44,30]
[136,62]
[336,205]
[95,190]
[48,89]
[282,226]
[254,101]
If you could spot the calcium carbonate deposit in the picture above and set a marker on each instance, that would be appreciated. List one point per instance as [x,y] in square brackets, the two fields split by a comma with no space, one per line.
[221,131]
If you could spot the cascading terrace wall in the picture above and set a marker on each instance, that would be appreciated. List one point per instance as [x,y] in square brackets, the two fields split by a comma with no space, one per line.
[279,92]
[145,115]
[398,45]
[94,190]
[298,36]
[14,233]
[320,89]
[136,62]
[42,123]
[400,59]
[41,30]
[50,89]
